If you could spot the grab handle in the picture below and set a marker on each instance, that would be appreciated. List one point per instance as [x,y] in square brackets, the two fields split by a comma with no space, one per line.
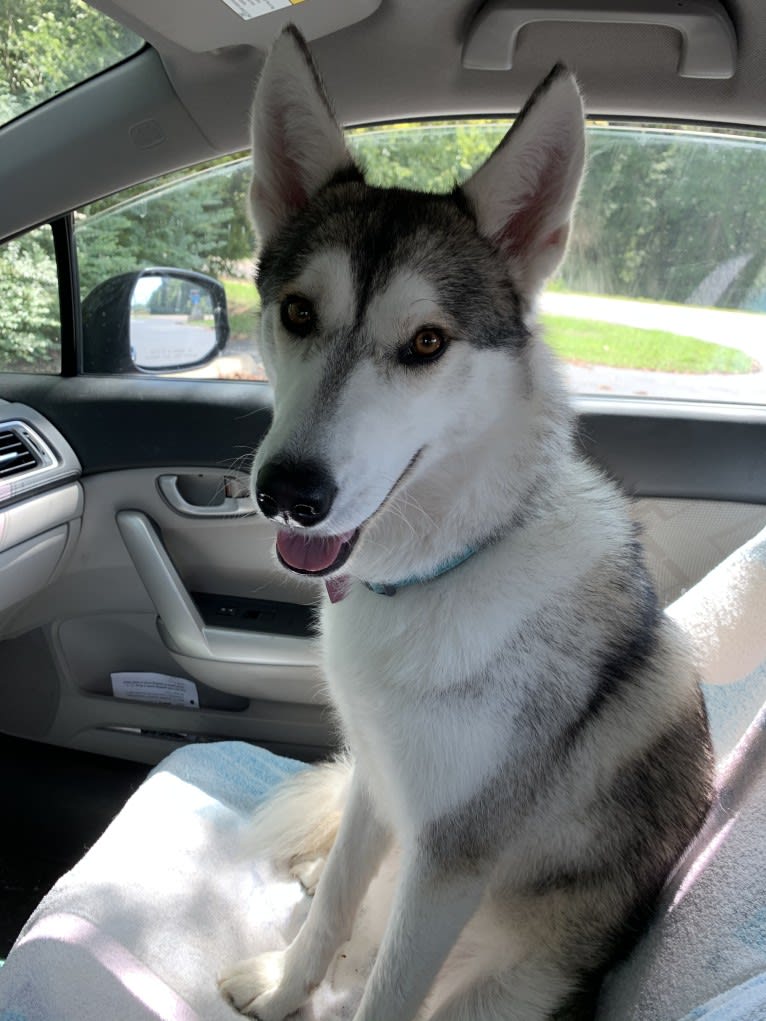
[708,41]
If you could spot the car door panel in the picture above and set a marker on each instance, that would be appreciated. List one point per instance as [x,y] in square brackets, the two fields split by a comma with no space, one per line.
[97,618]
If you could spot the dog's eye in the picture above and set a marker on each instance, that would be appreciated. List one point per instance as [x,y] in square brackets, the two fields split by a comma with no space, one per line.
[427,344]
[298,315]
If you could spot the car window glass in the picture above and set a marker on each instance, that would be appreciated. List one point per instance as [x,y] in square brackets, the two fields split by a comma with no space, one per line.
[29,304]
[47,46]
[662,292]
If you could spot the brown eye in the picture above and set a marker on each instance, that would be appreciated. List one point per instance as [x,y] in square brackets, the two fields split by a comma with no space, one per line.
[427,344]
[298,315]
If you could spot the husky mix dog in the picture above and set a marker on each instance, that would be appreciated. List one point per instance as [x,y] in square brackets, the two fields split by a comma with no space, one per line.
[524,726]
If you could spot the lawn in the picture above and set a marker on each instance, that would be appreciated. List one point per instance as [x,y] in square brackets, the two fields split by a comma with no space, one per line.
[243,305]
[586,341]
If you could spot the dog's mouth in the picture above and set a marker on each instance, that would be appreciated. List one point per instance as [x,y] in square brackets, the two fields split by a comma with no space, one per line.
[317,555]
[320,555]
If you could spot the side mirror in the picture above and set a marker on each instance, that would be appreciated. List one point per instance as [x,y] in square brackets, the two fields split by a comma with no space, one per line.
[154,320]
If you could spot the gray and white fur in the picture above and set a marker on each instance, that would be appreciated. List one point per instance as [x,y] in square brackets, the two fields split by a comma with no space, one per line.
[526,733]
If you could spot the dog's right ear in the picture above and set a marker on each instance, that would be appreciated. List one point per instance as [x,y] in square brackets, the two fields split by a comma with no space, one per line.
[297,143]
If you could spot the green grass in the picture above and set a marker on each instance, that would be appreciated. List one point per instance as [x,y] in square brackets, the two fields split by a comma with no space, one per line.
[591,342]
[244,306]
[241,292]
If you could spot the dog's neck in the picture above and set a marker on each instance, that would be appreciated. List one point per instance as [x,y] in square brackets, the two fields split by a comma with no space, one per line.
[338,587]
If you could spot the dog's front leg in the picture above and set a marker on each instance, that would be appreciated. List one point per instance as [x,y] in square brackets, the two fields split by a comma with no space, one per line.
[429,912]
[271,986]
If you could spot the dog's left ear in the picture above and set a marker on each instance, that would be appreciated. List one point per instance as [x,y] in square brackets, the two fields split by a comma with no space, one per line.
[297,143]
[524,195]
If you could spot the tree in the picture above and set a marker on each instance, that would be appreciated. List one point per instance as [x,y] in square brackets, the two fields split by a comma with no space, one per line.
[47,46]
[29,313]
[661,213]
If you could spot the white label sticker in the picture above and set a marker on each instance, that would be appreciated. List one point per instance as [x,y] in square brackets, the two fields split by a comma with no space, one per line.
[145,687]
[248,9]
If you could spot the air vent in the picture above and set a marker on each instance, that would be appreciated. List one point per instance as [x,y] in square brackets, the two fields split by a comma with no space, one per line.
[23,452]
[16,455]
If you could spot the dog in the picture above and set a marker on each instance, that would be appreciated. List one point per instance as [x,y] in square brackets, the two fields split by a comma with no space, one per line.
[526,732]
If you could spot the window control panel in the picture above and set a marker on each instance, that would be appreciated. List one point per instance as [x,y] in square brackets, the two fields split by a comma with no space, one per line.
[268,616]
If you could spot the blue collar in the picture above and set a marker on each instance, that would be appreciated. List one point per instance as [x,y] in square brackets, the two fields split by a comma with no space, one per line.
[416,579]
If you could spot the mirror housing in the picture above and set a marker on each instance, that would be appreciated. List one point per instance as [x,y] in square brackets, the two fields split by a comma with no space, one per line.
[158,319]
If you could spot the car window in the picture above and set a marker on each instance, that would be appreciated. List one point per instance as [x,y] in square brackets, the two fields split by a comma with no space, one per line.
[47,46]
[29,304]
[662,292]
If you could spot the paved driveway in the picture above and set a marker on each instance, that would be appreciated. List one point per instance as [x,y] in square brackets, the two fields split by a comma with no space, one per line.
[743,330]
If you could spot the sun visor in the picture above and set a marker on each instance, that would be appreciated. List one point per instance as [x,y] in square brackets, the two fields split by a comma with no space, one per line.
[204,25]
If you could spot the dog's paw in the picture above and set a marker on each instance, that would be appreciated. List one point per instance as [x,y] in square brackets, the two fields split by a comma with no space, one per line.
[255,987]
[308,873]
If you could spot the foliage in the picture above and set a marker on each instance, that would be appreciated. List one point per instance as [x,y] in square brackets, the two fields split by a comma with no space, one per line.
[47,46]
[29,314]
[672,218]
[424,157]
[596,343]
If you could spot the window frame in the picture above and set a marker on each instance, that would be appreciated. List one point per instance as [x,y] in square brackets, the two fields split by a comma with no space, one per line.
[70,314]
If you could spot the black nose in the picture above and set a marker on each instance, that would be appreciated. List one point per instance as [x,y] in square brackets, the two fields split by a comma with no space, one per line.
[302,491]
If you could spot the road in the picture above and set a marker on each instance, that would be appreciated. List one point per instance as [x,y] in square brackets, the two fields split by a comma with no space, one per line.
[161,340]
[745,331]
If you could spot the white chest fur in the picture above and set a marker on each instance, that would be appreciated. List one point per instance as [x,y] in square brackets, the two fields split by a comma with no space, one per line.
[419,728]
[428,705]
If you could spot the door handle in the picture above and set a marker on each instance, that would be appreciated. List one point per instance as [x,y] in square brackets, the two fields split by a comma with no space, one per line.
[708,41]
[208,494]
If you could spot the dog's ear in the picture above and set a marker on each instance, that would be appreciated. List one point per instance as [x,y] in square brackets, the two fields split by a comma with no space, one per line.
[523,196]
[297,143]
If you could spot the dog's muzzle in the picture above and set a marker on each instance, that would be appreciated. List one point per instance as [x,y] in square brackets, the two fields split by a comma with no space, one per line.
[302,493]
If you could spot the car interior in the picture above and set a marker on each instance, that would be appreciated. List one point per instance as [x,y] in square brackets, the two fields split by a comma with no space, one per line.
[141,608]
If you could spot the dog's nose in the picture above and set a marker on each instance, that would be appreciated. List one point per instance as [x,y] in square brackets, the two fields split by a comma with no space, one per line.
[302,491]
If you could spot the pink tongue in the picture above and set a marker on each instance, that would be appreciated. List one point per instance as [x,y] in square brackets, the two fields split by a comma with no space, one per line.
[310,553]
